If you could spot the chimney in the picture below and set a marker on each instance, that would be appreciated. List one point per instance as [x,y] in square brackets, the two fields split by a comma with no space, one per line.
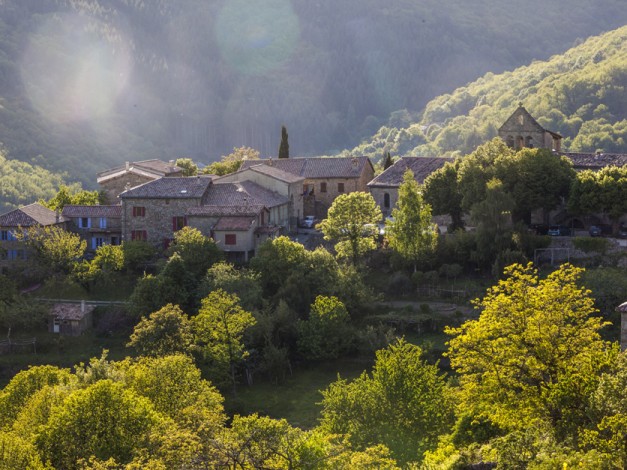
[355,162]
[128,166]
[270,161]
[82,306]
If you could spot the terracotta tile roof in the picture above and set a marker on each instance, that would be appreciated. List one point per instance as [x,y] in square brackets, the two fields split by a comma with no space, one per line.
[244,193]
[112,212]
[193,187]
[421,166]
[316,167]
[236,224]
[595,161]
[268,229]
[70,311]
[220,211]
[27,216]
[150,168]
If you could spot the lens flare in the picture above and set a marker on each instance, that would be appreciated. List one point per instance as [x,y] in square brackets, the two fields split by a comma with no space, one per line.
[255,37]
[70,72]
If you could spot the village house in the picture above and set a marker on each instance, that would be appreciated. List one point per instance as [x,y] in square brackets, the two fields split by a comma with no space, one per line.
[97,225]
[12,252]
[384,188]
[70,319]
[115,180]
[324,179]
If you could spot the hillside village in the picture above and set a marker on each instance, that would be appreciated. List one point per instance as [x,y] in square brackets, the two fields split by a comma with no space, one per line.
[220,309]
[150,200]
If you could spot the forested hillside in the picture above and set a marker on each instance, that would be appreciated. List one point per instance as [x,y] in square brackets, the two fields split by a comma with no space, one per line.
[581,94]
[92,83]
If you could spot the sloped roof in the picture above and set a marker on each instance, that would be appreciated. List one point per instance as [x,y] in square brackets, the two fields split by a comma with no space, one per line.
[150,168]
[274,172]
[236,224]
[220,211]
[243,193]
[192,187]
[421,166]
[113,211]
[316,167]
[66,311]
[27,216]
[512,123]
[595,161]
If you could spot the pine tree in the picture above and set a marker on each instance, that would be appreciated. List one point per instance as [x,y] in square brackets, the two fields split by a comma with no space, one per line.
[284,148]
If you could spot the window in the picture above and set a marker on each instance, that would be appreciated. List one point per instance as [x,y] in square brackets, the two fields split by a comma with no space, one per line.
[6,235]
[178,223]
[230,239]
[103,222]
[96,242]
[323,187]
[340,187]
[139,235]
[139,211]
[115,241]
[84,222]
[386,200]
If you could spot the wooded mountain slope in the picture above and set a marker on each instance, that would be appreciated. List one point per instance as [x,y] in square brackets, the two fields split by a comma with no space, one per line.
[581,94]
[92,83]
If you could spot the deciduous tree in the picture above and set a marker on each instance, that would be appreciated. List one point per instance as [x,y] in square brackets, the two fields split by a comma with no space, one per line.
[352,223]
[166,331]
[411,231]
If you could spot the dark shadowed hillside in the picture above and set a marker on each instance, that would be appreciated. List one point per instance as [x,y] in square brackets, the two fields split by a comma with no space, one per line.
[92,83]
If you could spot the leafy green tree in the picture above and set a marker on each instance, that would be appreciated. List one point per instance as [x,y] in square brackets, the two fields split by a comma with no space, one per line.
[411,232]
[197,252]
[17,453]
[603,191]
[73,195]
[55,250]
[351,223]
[493,217]
[404,404]
[188,166]
[276,260]
[16,310]
[219,328]
[327,332]
[138,255]
[107,262]
[231,163]
[535,179]
[245,283]
[441,190]
[104,420]
[534,354]
[166,331]
[284,147]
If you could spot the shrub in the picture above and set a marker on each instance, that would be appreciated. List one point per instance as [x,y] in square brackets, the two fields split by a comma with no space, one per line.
[591,245]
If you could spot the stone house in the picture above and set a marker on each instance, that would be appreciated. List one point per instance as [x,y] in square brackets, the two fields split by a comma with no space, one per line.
[12,252]
[323,178]
[384,188]
[153,211]
[521,130]
[276,181]
[97,225]
[131,174]
[70,319]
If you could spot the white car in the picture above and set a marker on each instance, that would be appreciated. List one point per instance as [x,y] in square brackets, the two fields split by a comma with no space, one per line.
[309,221]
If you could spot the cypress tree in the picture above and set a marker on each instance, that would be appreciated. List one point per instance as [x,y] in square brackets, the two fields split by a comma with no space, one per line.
[284,148]
[388,161]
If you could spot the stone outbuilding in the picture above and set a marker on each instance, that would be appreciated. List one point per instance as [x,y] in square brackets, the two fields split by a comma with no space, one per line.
[70,319]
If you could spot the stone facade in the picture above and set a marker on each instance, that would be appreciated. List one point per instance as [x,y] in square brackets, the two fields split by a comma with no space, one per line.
[117,180]
[521,130]
[97,225]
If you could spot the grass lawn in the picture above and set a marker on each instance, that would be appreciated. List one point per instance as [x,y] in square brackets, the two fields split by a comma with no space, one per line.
[297,399]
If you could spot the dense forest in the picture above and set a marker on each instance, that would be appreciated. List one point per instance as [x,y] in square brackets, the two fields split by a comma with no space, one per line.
[91,83]
[580,94]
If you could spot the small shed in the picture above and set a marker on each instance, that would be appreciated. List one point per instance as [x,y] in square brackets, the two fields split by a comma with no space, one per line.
[70,319]
[622,309]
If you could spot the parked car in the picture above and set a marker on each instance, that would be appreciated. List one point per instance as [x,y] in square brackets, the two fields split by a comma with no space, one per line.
[309,221]
[559,231]
[622,232]
[595,231]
